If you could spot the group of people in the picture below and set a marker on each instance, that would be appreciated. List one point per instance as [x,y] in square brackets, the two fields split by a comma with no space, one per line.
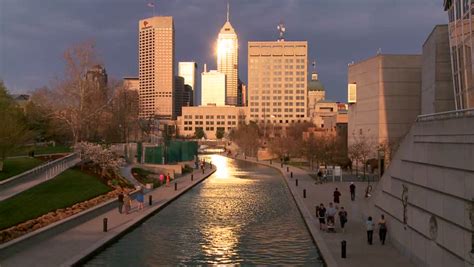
[125,201]
[327,217]
[162,179]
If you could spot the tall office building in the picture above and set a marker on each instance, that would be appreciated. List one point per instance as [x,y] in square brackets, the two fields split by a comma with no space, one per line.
[178,95]
[228,59]
[212,88]
[188,70]
[277,85]
[156,67]
[461,28]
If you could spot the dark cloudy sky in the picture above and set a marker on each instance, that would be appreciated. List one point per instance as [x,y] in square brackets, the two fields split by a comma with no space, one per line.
[34,33]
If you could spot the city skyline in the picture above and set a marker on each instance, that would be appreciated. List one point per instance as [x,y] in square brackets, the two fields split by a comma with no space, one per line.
[356,33]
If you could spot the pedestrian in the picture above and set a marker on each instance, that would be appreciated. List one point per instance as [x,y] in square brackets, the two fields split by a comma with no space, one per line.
[162,179]
[140,199]
[120,202]
[382,229]
[370,230]
[352,188]
[343,218]
[127,200]
[331,214]
[321,210]
[336,195]
[168,180]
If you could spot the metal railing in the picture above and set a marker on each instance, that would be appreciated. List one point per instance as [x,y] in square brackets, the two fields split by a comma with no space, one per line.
[446,115]
[38,174]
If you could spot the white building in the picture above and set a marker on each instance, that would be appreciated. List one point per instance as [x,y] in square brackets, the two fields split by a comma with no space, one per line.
[213,88]
[188,70]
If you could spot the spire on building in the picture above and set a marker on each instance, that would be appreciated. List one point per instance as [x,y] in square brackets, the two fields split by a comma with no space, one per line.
[228,10]
[281,30]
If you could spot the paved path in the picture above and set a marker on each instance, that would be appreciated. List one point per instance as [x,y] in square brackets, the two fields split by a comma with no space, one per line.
[67,247]
[359,253]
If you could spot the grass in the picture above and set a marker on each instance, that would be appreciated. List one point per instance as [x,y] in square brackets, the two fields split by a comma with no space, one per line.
[40,150]
[15,166]
[68,188]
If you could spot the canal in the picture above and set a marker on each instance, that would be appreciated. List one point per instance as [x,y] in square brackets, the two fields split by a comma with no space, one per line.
[242,214]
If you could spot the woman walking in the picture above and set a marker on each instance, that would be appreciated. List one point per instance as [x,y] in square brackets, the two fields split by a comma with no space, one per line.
[382,229]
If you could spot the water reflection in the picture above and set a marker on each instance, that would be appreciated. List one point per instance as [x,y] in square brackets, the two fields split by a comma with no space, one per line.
[242,214]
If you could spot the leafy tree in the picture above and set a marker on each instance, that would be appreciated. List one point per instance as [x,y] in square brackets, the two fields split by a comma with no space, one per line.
[13,130]
[247,137]
[199,133]
[220,132]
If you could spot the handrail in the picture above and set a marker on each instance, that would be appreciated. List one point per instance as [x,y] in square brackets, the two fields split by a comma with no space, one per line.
[462,113]
[39,168]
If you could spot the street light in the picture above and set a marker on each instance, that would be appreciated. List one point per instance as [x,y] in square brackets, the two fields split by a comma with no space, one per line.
[381,156]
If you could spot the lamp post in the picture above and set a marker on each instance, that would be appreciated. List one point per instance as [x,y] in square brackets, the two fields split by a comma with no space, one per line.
[381,162]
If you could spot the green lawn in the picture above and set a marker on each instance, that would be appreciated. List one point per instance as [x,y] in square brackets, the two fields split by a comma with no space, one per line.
[14,166]
[40,150]
[70,187]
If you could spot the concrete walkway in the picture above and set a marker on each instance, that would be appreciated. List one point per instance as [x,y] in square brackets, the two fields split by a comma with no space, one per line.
[67,247]
[359,252]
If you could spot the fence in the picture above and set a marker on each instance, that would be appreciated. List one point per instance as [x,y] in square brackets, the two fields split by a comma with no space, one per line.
[42,173]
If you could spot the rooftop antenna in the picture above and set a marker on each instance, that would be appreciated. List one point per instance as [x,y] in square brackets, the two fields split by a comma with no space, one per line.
[281,29]
[314,65]
[228,10]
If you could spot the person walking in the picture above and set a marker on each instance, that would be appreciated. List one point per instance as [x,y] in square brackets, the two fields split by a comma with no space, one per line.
[162,179]
[331,214]
[342,218]
[382,229]
[140,199]
[336,195]
[352,188]
[321,211]
[370,229]
[127,200]
[120,202]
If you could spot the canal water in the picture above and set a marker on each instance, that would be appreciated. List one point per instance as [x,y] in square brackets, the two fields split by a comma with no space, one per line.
[242,214]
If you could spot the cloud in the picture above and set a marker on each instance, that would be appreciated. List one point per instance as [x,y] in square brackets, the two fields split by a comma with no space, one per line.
[34,34]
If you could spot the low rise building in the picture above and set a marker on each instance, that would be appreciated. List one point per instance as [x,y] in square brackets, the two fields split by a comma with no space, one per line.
[210,119]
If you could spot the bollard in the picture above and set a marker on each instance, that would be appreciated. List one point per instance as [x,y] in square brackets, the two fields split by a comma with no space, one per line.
[281,164]
[176,186]
[105,224]
[304,193]
[343,249]
[296,182]
[291,174]
[150,200]
[192,177]
[287,169]
[270,162]
[203,171]
[245,156]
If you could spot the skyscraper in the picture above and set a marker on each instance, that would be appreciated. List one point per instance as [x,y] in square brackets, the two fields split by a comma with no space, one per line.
[277,85]
[461,40]
[156,67]
[212,88]
[228,59]
[187,70]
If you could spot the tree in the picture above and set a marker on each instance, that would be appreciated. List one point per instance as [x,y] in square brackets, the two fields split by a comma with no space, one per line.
[102,158]
[13,130]
[361,150]
[247,137]
[199,133]
[78,101]
[220,132]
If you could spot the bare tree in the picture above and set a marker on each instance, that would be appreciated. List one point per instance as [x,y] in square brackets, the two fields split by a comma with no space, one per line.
[247,137]
[76,100]
[361,150]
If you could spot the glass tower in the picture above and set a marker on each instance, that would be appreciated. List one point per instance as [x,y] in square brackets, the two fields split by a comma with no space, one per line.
[227,59]
[461,29]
